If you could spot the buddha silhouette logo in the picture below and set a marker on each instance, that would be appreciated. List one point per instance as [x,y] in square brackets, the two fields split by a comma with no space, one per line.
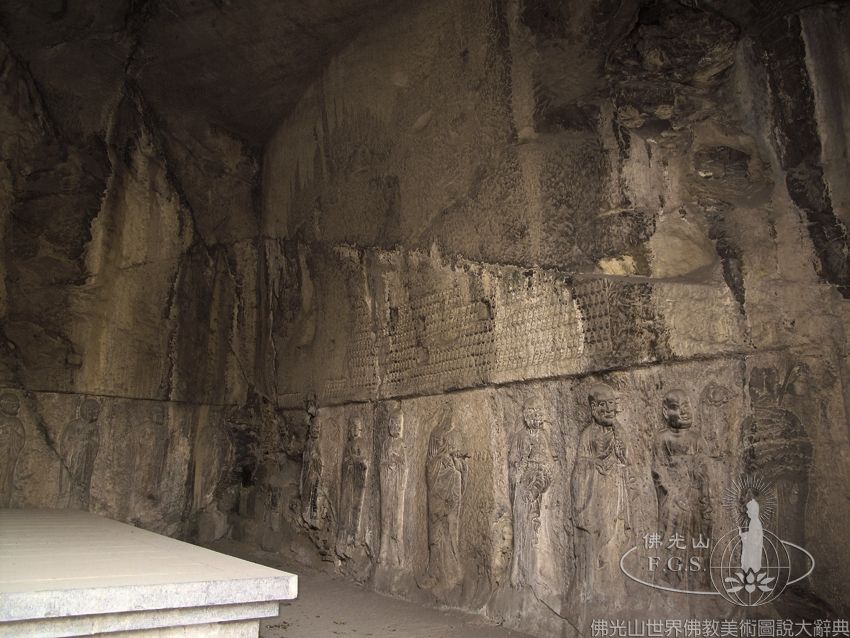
[748,565]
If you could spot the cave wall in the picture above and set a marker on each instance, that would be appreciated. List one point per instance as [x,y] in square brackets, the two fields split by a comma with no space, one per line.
[485,206]
[128,299]
[343,348]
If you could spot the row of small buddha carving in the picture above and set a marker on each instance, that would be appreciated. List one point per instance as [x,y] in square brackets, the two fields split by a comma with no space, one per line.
[466,357]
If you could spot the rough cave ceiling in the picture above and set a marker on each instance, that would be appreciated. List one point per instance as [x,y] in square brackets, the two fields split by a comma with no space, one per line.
[237,64]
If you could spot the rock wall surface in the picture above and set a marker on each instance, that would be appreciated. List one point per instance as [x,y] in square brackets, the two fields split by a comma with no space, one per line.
[515,286]
[483,211]
[128,300]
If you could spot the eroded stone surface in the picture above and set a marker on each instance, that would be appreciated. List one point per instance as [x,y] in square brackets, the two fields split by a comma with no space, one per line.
[511,286]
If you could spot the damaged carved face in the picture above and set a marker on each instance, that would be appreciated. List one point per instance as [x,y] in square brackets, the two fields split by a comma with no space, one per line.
[534,418]
[9,404]
[677,410]
[355,428]
[603,405]
[395,426]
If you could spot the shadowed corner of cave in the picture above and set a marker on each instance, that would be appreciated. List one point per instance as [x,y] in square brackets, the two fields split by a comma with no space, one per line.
[482,317]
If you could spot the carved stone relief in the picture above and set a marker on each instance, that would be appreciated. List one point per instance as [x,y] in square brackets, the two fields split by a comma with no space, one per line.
[312,466]
[681,475]
[149,442]
[526,497]
[78,447]
[530,477]
[355,468]
[601,504]
[213,452]
[393,470]
[12,438]
[446,475]
[361,358]
[277,442]
[428,327]
[716,409]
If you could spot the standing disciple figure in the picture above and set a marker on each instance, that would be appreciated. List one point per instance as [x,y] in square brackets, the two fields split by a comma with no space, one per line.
[601,513]
[393,478]
[212,458]
[355,467]
[311,473]
[680,473]
[531,476]
[446,472]
[78,448]
[150,450]
[12,436]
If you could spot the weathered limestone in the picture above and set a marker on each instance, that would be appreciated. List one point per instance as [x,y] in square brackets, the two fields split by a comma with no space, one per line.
[78,447]
[682,476]
[531,475]
[355,469]
[601,502]
[393,468]
[514,291]
[610,203]
[12,438]
[446,476]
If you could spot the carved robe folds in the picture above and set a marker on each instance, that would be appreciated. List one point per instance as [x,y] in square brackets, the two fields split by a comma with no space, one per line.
[446,477]
[12,437]
[393,477]
[600,512]
[311,481]
[78,447]
[353,490]
[531,476]
[681,479]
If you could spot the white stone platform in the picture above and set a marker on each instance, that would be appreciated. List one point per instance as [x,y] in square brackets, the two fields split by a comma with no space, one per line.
[71,573]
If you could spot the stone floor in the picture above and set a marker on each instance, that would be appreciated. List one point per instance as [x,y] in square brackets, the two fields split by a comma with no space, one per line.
[330,607]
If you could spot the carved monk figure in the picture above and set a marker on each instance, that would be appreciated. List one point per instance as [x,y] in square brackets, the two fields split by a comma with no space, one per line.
[680,472]
[78,447]
[600,500]
[150,449]
[355,467]
[531,475]
[393,478]
[311,474]
[446,472]
[212,458]
[12,436]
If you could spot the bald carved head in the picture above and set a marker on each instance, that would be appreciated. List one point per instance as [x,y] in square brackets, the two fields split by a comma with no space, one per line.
[677,410]
[90,410]
[9,403]
[355,427]
[395,423]
[533,416]
[603,404]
